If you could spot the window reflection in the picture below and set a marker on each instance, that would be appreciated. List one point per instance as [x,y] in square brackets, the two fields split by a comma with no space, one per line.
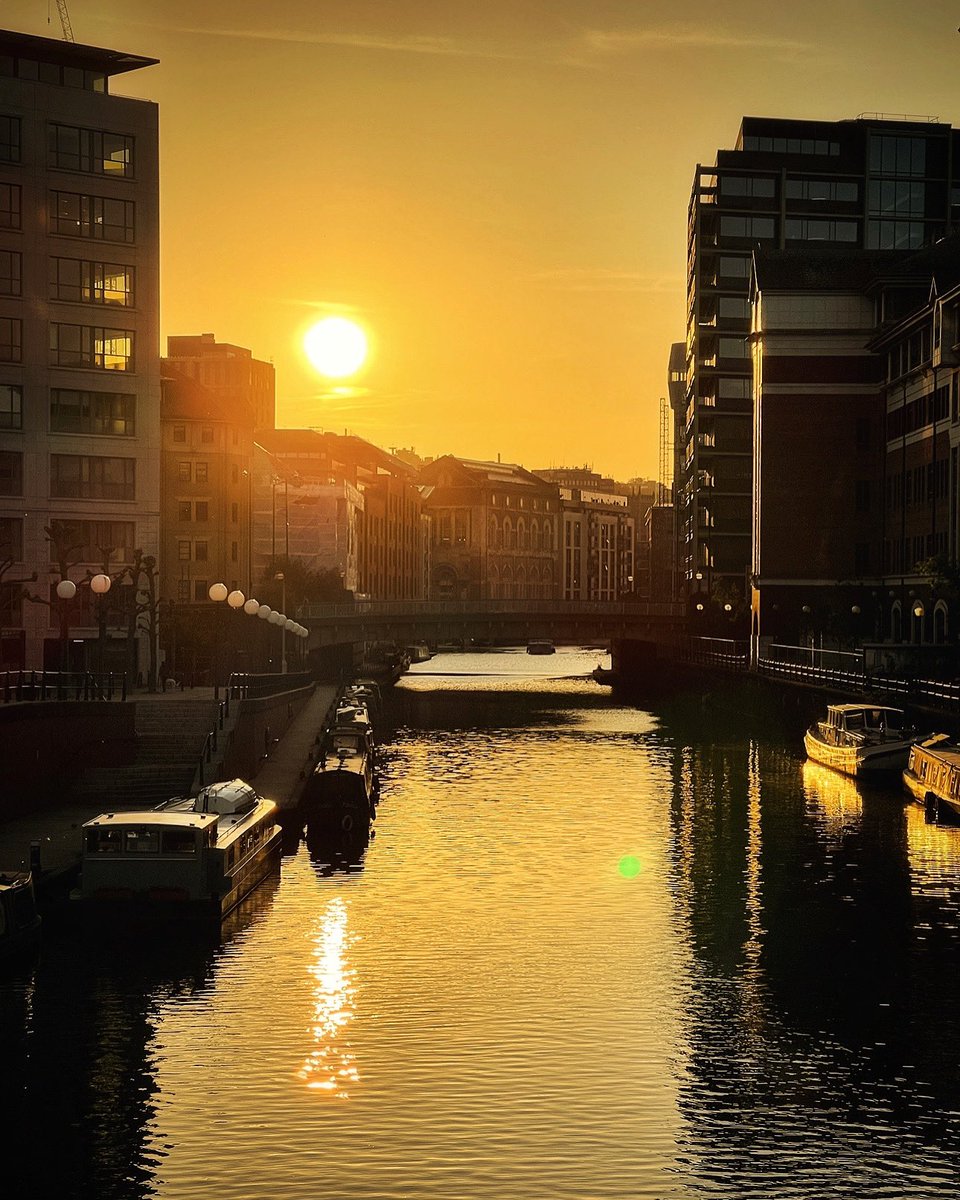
[331,1065]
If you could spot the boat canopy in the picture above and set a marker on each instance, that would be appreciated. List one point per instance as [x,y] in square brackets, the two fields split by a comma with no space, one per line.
[231,796]
[865,716]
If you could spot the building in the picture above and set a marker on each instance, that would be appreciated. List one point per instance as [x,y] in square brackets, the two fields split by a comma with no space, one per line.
[494,531]
[79,342]
[230,372]
[206,490]
[869,183]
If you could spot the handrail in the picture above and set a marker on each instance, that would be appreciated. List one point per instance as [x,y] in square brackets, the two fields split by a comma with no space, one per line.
[454,608]
[30,686]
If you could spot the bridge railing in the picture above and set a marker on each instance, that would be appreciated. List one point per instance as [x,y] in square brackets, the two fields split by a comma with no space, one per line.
[473,608]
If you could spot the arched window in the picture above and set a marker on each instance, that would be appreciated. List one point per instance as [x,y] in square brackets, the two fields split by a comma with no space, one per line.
[535,535]
[547,584]
[522,534]
[509,535]
[506,586]
[940,622]
[493,534]
[896,623]
[493,582]
[548,535]
[521,586]
[445,583]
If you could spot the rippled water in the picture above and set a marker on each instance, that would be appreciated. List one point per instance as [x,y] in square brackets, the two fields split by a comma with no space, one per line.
[592,951]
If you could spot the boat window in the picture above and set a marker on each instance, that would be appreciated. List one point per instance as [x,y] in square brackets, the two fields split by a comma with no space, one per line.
[103,841]
[141,841]
[179,841]
[854,720]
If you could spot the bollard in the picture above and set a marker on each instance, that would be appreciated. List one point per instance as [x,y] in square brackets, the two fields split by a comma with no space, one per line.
[35,858]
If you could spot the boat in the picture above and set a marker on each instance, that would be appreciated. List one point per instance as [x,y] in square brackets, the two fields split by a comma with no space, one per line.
[932,776]
[19,919]
[340,793]
[541,646]
[861,740]
[419,652]
[191,856]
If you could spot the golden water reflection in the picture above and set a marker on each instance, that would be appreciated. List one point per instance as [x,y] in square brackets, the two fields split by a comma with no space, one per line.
[834,798]
[331,1065]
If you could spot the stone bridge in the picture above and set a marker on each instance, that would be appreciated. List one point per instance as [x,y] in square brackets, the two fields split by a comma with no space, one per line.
[498,622]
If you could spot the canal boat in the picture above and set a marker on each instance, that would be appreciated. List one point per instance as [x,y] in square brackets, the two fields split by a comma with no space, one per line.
[541,646]
[192,856]
[19,919]
[932,776]
[419,652]
[340,793]
[861,740]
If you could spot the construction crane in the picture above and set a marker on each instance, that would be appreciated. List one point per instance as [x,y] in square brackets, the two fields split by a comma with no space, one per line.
[64,20]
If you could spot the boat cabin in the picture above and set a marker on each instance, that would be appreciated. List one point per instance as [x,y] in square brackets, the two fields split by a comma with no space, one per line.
[866,721]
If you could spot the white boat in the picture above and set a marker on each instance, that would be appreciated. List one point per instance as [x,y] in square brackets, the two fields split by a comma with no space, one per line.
[861,739]
[932,776]
[19,921]
[192,856]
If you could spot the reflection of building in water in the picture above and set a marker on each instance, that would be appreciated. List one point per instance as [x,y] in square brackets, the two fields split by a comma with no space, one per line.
[331,1066]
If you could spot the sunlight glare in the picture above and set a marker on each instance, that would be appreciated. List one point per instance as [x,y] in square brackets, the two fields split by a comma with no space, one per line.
[336,347]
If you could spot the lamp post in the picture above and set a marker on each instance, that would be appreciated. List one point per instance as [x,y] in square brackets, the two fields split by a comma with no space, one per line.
[66,590]
[283,625]
[100,585]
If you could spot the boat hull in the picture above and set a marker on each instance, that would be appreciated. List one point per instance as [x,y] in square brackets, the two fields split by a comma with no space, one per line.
[860,762]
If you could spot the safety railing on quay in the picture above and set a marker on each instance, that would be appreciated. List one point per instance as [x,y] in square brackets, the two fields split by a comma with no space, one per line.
[28,686]
[726,653]
[211,743]
[244,685]
[460,608]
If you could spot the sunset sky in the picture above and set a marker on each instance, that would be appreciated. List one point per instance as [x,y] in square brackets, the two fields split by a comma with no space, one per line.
[495,190]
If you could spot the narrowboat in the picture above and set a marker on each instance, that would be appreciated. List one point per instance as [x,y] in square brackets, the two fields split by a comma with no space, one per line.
[341,791]
[861,740]
[932,776]
[19,919]
[541,646]
[193,856]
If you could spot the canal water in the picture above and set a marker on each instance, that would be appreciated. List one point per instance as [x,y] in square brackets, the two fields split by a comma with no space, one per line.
[593,950]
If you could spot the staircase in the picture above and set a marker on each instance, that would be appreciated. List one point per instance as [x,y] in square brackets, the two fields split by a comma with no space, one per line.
[171,731]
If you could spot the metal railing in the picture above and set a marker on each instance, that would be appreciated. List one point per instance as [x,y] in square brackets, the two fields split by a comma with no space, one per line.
[211,743]
[458,608]
[243,685]
[29,686]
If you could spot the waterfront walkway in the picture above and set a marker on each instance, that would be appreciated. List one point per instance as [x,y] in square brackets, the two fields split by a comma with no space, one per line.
[56,829]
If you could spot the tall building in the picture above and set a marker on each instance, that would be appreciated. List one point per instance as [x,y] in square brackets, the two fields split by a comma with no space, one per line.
[79,341]
[873,183]
[230,372]
[598,544]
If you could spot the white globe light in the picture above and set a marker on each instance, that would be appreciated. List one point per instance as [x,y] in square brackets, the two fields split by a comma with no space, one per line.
[236,599]
[251,607]
[288,623]
[264,611]
[274,618]
[66,589]
[100,584]
[217,591]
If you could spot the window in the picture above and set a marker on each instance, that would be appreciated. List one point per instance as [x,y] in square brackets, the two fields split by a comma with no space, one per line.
[98,217]
[735,389]
[838,191]
[894,155]
[206,434]
[818,230]
[200,589]
[89,540]
[746,227]
[234,474]
[178,841]
[733,306]
[782,145]
[92,477]
[93,151]
[184,510]
[141,841]
[897,198]
[11,473]
[234,551]
[9,139]
[184,472]
[10,335]
[734,347]
[9,206]
[734,267]
[10,269]
[183,551]
[91,346]
[183,591]
[109,414]
[200,472]
[11,406]
[235,513]
[862,495]
[179,433]
[744,185]
[200,551]
[895,235]
[11,538]
[201,510]
[82,282]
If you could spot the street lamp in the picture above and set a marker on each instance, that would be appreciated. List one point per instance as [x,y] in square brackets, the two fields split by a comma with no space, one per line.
[100,585]
[283,631]
[66,590]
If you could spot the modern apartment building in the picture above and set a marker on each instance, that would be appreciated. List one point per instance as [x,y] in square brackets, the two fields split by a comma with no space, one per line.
[598,545]
[230,372]
[870,183]
[79,342]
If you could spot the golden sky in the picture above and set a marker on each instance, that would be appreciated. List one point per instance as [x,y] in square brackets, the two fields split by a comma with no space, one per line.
[495,189]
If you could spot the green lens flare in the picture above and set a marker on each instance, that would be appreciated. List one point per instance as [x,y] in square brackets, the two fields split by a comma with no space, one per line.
[629,866]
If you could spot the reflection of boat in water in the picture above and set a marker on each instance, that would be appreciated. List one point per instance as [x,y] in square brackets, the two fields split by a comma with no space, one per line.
[541,646]
[835,800]
[932,777]
[331,851]
[19,920]
[861,739]
[192,856]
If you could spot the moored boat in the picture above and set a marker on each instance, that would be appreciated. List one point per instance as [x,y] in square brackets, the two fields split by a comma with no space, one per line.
[192,856]
[861,740]
[19,920]
[341,791]
[541,646]
[419,652]
[932,776]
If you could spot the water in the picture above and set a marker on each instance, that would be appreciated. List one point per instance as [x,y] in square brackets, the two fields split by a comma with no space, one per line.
[592,951]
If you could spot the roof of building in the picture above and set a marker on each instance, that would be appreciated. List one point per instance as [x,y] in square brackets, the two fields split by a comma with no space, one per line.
[185,398]
[71,54]
[821,270]
[477,471]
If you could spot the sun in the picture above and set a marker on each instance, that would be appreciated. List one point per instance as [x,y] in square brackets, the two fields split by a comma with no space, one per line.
[336,347]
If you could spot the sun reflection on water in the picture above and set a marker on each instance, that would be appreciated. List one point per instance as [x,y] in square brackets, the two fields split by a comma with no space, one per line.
[331,1065]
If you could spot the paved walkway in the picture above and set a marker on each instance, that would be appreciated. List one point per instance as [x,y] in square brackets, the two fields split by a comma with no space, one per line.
[57,829]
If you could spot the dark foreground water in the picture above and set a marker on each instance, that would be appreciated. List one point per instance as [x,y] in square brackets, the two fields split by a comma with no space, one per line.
[593,951]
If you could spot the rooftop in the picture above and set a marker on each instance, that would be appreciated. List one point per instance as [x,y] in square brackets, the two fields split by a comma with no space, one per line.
[70,54]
